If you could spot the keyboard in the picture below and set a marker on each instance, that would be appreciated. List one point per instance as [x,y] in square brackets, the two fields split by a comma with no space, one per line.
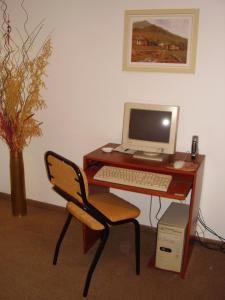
[142,179]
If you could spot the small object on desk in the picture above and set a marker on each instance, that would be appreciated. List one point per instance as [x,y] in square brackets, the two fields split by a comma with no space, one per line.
[194,147]
[107,149]
[178,164]
[187,166]
[124,149]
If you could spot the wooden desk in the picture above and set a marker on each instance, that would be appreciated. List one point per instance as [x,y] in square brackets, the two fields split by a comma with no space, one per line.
[184,180]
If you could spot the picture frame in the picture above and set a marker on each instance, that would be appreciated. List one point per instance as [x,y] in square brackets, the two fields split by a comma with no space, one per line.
[163,40]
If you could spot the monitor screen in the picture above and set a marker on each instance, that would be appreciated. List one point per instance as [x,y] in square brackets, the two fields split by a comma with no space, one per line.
[150,127]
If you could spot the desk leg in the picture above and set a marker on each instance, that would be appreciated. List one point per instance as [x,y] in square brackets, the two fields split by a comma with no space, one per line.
[91,236]
[193,217]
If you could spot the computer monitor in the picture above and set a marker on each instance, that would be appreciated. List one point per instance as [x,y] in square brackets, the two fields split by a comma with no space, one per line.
[150,129]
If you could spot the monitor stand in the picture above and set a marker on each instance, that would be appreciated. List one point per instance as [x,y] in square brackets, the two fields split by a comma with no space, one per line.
[150,155]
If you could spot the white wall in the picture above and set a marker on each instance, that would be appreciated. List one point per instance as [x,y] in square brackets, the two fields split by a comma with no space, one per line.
[87,89]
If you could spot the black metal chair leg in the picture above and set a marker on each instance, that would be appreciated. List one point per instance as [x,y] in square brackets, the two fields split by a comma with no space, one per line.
[137,245]
[95,260]
[62,234]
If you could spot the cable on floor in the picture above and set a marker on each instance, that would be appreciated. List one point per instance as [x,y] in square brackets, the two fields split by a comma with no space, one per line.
[212,246]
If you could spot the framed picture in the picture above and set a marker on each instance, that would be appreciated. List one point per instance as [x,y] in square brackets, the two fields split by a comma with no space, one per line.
[161,40]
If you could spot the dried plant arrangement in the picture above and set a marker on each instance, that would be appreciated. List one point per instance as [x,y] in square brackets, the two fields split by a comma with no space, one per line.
[20,83]
[22,68]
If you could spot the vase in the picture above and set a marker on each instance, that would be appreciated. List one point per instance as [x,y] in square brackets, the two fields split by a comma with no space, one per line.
[18,191]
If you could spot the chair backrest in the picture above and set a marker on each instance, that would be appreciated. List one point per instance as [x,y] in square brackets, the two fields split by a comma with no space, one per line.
[70,181]
[66,176]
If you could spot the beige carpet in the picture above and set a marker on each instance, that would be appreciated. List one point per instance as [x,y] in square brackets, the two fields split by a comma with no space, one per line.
[26,270]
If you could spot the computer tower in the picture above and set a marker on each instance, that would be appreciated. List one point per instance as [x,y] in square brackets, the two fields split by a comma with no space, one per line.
[171,237]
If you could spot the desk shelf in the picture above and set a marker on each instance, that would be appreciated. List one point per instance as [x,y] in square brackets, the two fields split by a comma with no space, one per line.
[178,189]
[184,180]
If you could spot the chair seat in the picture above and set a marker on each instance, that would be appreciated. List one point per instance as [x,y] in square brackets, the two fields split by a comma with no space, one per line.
[114,207]
[84,217]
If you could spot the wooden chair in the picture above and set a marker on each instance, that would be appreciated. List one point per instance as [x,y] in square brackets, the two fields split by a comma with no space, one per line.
[99,211]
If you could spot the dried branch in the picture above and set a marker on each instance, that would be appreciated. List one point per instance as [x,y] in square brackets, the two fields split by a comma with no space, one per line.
[21,82]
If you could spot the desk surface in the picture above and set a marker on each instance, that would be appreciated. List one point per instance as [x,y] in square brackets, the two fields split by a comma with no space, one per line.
[182,178]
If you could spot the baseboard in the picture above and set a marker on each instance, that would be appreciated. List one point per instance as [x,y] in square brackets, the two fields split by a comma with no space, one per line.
[35,203]
[207,241]
[44,205]
[4,196]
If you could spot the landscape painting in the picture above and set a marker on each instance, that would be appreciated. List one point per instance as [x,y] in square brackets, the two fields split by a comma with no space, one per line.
[160,40]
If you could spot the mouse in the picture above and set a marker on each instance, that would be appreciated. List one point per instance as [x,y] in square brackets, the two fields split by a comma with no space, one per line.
[178,164]
[107,149]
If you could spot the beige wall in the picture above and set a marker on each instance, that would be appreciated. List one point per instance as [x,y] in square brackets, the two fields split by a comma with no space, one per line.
[87,89]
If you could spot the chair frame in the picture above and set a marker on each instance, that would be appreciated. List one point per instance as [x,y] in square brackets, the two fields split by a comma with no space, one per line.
[95,213]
